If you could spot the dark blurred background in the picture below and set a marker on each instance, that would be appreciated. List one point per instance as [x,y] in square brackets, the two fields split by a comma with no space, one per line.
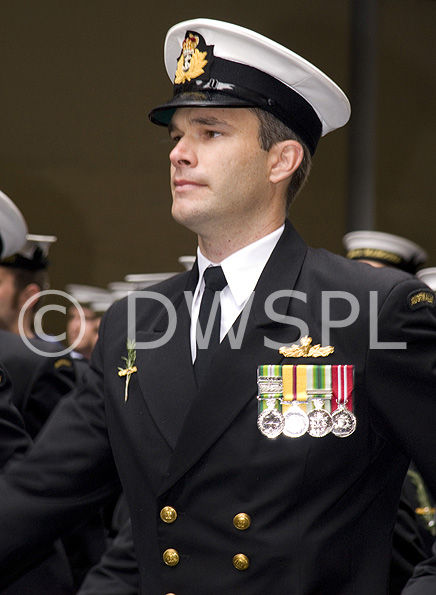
[81,160]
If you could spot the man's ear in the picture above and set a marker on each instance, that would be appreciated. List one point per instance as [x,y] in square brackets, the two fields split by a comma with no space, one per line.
[30,291]
[285,159]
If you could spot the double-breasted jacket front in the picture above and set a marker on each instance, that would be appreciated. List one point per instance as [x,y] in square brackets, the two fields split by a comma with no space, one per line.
[321,510]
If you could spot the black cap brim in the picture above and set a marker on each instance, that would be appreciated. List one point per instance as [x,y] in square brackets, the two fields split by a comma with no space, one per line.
[162,114]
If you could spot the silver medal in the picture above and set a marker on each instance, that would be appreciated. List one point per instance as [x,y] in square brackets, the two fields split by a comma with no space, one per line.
[320,420]
[296,422]
[344,422]
[271,423]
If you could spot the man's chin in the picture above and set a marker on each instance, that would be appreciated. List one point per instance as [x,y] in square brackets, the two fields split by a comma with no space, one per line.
[188,218]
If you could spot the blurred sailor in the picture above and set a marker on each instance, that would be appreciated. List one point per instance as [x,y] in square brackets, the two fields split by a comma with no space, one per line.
[414,531]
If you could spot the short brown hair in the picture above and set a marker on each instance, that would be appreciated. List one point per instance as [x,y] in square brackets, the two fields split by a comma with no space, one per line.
[273,131]
[24,277]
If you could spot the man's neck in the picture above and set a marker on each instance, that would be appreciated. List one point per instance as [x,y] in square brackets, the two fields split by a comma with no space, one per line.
[24,329]
[218,246]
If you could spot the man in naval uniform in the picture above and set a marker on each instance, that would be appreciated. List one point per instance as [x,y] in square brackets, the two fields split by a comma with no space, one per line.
[13,437]
[50,573]
[82,326]
[414,530]
[23,276]
[423,581]
[49,376]
[265,469]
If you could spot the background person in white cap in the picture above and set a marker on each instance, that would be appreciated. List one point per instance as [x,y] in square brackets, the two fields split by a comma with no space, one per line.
[38,383]
[382,249]
[23,275]
[423,581]
[428,275]
[220,497]
[19,368]
[13,228]
[414,530]
[82,327]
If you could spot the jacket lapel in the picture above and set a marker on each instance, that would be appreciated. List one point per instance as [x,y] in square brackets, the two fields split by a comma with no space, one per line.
[231,381]
[166,375]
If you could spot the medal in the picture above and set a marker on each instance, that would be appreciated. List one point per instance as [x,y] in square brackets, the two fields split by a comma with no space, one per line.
[344,420]
[270,388]
[271,421]
[320,421]
[296,421]
[294,390]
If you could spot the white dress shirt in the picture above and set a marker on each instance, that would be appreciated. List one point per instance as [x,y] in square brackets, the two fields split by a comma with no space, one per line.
[242,270]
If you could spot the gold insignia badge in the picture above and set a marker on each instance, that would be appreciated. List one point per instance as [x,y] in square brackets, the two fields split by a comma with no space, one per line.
[419,299]
[62,363]
[306,349]
[191,62]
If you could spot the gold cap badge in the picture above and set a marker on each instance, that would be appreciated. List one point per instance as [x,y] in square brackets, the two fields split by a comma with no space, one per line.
[191,63]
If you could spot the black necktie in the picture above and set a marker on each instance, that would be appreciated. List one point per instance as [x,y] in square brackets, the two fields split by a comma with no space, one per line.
[215,281]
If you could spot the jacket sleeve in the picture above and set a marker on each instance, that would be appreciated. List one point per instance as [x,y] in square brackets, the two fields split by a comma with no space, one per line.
[53,379]
[117,571]
[423,581]
[62,480]
[402,401]
[400,374]
[13,437]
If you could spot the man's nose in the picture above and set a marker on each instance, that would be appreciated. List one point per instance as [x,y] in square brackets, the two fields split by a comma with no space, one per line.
[183,154]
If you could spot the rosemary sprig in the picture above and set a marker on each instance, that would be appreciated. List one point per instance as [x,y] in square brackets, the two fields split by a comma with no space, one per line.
[130,365]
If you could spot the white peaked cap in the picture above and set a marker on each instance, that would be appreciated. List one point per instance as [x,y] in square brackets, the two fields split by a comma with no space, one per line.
[13,228]
[214,63]
[386,248]
[428,275]
[87,294]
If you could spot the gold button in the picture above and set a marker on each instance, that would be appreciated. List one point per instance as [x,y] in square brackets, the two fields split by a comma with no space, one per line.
[171,557]
[241,562]
[168,514]
[242,521]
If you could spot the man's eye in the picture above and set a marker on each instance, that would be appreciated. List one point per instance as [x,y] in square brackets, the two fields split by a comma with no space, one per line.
[175,139]
[213,133]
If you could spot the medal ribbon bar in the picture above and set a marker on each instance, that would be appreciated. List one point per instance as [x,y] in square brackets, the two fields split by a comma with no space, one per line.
[343,384]
[270,386]
[319,386]
[294,386]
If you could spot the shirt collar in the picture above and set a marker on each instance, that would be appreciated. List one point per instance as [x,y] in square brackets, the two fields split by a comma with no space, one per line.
[244,267]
